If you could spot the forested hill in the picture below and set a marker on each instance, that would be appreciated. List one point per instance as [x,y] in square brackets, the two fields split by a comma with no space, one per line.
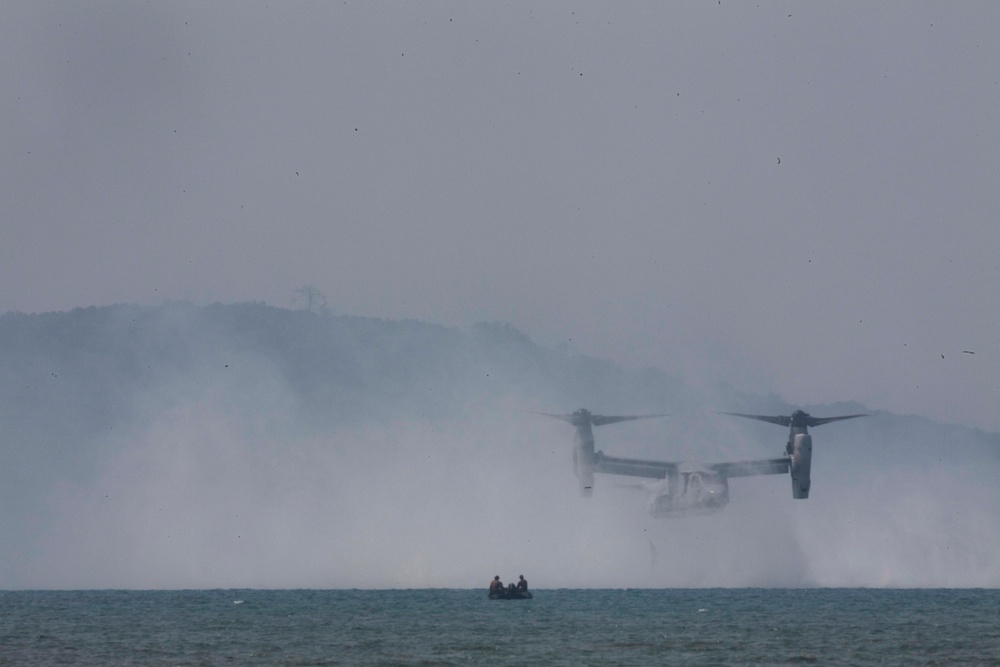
[73,375]
[69,377]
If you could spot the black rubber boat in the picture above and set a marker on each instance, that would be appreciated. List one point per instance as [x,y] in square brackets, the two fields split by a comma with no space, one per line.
[507,595]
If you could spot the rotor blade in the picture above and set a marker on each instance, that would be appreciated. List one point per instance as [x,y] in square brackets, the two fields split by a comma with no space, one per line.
[780,421]
[601,420]
[584,417]
[819,421]
[565,418]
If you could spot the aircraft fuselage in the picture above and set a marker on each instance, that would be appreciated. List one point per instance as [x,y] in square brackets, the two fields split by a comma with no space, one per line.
[689,494]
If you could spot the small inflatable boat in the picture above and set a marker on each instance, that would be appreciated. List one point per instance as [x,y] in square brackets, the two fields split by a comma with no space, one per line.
[508,595]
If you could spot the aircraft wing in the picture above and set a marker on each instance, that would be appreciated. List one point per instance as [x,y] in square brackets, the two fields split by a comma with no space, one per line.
[612,465]
[633,467]
[747,468]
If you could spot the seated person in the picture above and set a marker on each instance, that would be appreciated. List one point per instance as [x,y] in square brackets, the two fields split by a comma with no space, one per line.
[496,586]
[522,584]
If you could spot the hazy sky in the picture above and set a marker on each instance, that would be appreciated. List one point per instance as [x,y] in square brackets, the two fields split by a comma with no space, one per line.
[801,197]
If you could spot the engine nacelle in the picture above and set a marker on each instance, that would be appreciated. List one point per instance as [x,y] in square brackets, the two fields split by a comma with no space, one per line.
[583,466]
[801,464]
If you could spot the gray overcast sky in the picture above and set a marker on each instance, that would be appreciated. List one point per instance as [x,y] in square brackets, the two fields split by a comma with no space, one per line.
[801,197]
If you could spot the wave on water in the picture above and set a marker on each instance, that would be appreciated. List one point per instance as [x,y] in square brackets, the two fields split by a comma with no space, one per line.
[450,626]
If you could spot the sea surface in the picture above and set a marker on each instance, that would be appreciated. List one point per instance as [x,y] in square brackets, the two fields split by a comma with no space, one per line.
[463,627]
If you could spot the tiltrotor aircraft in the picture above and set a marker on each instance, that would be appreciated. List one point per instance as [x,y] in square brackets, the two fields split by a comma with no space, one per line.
[685,489]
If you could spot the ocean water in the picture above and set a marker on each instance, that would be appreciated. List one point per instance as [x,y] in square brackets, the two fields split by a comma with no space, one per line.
[463,627]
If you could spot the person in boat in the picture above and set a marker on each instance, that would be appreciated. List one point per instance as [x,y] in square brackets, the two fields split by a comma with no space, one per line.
[522,584]
[496,586]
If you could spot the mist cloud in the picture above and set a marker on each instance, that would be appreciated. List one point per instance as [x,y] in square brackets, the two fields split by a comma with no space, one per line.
[206,459]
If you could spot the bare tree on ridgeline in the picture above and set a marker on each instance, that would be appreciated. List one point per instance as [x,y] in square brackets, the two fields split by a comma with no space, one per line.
[314,300]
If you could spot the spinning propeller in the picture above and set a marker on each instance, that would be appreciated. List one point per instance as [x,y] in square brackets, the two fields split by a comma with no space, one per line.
[799,447]
[584,457]
[584,417]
